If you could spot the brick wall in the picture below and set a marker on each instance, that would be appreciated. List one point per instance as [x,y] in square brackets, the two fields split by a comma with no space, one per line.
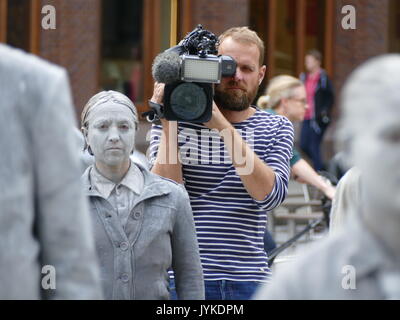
[217,16]
[353,47]
[370,38]
[75,45]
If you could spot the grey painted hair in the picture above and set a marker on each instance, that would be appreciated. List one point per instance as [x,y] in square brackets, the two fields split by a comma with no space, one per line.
[104,97]
[371,89]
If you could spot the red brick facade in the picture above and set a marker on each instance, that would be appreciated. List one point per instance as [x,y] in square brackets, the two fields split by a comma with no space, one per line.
[370,38]
[217,16]
[75,45]
[352,47]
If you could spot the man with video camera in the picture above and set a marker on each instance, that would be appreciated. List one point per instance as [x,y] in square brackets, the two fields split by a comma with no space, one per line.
[235,168]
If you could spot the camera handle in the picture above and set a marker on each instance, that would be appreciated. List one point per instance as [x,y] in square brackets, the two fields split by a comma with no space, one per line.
[155,114]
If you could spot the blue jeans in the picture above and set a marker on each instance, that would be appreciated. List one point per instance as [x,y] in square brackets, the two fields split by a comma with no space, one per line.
[269,243]
[310,143]
[223,290]
[172,290]
[230,290]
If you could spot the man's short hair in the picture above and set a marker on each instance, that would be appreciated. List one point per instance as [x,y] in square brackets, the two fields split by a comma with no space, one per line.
[316,54]
[247,36]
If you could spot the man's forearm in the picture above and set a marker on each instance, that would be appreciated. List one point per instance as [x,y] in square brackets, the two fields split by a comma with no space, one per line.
[307,174]
[167,163]
[257,177]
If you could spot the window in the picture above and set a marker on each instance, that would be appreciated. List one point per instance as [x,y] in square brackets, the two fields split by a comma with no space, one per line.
[285,38]
[121,48]
[394,26]
[290,28]
[19,24]
[133,33]
[315,25]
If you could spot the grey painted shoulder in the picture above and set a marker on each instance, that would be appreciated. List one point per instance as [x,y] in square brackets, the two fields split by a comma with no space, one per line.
[29,64]
[170,180]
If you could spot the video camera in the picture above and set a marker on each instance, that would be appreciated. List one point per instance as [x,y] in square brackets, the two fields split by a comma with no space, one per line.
[189,71]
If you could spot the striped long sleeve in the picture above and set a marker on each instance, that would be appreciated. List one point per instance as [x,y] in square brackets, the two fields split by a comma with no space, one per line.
[230,224]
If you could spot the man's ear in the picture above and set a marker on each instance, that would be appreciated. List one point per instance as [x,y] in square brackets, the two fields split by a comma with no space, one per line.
[261,74]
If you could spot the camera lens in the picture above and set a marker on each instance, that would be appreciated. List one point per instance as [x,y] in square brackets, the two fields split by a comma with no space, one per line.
[188,101]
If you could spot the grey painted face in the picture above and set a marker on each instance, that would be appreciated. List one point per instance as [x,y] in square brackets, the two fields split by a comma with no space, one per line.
[377,154]
[111,134]
[371,124]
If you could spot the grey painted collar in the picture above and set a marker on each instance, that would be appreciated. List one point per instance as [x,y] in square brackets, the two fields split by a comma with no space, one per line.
[153,185]
[133,180]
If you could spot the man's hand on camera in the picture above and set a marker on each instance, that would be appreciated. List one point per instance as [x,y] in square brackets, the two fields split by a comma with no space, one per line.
[218,120]
[158,96]
[158,93]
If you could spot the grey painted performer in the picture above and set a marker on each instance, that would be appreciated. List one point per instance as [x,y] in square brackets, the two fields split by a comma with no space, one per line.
[346,200]
[44,218]
[143,223]
[363,260]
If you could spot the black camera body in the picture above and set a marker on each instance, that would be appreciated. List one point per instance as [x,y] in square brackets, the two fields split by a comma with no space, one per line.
[190,71]
[188,101]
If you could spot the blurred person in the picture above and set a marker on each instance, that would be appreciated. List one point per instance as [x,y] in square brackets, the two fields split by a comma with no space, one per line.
[143,224]
[44,218]
[338,166]
[286,96]
[361,261]
[230,194]
[320,98]
[346,201]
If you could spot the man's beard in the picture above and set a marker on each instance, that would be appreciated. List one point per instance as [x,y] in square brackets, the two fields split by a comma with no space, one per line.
[234,100]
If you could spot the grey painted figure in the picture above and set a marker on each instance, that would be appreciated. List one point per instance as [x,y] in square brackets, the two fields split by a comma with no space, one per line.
[143,224]
[346,201]
[362,261]
[44,219]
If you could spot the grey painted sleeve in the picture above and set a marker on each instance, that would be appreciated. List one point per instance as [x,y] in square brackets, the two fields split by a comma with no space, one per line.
[63,222]
[185,252]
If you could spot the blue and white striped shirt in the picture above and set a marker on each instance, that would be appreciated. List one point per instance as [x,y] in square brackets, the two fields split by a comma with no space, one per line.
[230,224]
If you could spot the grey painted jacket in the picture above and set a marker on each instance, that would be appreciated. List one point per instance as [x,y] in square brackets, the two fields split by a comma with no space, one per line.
[159,234]
[44,218]
[351,264]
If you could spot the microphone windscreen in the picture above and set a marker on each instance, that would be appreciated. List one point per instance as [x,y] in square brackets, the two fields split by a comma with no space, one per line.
[166,67]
